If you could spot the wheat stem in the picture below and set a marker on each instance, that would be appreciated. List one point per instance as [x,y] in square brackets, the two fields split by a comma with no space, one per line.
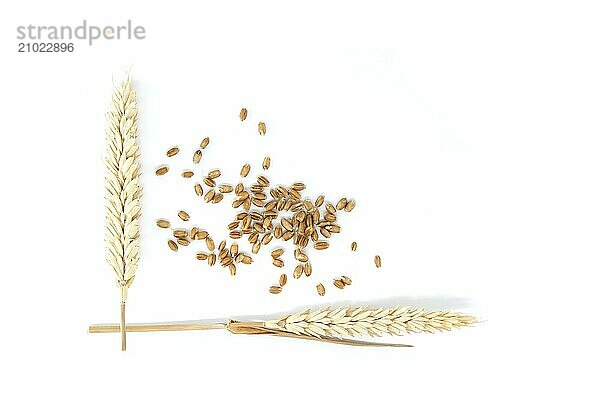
[156,327]
[122,328]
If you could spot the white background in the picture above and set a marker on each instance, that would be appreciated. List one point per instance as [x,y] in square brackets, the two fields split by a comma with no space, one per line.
[466,131]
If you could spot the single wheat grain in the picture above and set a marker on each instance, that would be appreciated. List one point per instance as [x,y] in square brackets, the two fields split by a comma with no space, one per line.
[275,289]
[172,151]
[163,223]
[197,156]
[183,215]
[378,261]
[204,142]
[262,128]
[321,289]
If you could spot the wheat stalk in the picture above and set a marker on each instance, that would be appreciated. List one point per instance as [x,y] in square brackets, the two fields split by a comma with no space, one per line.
[123,191]
[327,324]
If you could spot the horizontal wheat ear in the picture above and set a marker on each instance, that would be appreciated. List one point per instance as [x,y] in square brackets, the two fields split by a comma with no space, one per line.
[343,325]
[123,192]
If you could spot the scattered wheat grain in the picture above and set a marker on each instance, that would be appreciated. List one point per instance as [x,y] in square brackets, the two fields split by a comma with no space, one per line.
[378,261]
[163,223]
[204,142]
[162,170]
[321,289]
[245,170]
[266,163]
[275,289]
[262,128]
[172,151]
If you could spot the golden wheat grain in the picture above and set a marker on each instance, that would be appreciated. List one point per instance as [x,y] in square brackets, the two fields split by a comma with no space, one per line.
[330,208]
[298,271]
[172,151]
[267,239]
[330,217]
[350,205]
[282,280]
[338,283]
[180,233]
[262,128]
[162,170]
[377,260]
[300,256]
[187,174]
[275,289]
[243,114]
[183,215]
[245,170]
[215,173]
[163,223]
[198,189]
[239,188]
[319,201]
[277,252]
[197,156]
[262,181]
[209,181]
[225,188]
[204,142]
[210,244]
[209,196]
[321,289]
[172,245]
[353,246]
[321,245]
[266,163]
[212,259]
[307,268]
[347,281]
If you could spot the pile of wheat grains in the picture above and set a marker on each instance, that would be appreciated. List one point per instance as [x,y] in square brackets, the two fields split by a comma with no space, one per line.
[266,212]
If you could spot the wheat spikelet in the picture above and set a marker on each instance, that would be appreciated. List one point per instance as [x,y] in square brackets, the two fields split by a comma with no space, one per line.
[123,191]
[365,321]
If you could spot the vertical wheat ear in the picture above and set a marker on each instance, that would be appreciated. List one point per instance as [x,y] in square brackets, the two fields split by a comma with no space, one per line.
[123,191]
